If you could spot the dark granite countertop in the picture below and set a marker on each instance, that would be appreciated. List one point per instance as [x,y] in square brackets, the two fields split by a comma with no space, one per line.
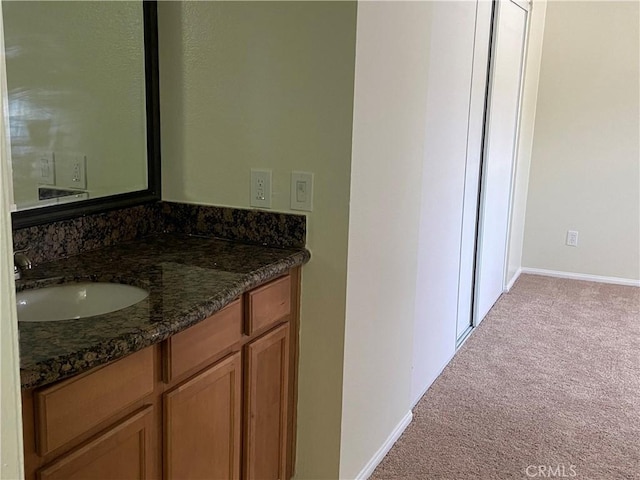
[189,278]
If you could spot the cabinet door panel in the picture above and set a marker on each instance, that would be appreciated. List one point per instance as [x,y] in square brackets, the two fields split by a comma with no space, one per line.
[124,452]
[266,405]
[202,424]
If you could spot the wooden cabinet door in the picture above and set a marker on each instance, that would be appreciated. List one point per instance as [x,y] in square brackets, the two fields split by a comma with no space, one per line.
[202,424]
[266,405]
[125,452]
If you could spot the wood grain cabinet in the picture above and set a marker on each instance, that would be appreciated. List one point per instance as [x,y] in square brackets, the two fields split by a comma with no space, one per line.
[215,401]
[266,405]
[123,451]
[202,424]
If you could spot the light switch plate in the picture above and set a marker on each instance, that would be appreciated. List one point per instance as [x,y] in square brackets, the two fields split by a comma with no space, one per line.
[302,191]
[45,169]
[260,188]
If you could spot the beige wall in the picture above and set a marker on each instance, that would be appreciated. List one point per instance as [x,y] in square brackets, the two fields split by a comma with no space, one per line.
[270,85]
[585,164]
[388,152]
[11,467]
[76,86]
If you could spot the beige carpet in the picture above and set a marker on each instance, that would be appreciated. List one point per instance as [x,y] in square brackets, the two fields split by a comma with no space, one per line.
[547,387]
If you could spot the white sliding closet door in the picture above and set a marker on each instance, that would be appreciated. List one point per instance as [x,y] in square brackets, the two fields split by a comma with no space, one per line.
[454,98]
[473,154]
[500,148]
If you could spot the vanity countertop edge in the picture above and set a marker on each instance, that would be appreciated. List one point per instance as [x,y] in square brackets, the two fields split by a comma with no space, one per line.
[189,279]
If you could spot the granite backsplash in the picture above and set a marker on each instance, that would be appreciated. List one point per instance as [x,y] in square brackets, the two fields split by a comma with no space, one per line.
[248,226]
[66,238]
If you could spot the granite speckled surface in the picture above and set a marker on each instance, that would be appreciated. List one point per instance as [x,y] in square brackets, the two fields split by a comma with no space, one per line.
[252,226]
[71,237]
[189,278]
[65,238]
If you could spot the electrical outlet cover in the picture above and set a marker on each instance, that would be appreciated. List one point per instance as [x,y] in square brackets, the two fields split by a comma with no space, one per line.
[71,170]
[260,188]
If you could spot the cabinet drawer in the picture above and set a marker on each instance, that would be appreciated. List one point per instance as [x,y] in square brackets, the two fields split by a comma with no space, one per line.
[203,341]
[72,407]
[269,304]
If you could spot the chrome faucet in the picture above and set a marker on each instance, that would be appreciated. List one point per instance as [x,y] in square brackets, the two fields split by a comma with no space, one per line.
[20,262]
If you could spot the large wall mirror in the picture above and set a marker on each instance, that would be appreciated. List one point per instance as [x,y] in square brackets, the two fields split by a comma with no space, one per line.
[82,81]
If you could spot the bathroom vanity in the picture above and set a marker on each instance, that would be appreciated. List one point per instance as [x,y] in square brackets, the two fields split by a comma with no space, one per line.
[196,381]
[198,378]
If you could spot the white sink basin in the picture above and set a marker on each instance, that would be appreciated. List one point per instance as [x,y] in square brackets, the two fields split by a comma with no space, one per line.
[75,300]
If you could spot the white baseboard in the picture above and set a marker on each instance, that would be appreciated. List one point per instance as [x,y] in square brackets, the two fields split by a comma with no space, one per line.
[386,446]
[582,276]
[513,280]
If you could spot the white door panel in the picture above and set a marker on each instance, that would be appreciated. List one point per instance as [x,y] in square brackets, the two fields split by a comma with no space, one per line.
[506,79]
[472,169]
[451,64]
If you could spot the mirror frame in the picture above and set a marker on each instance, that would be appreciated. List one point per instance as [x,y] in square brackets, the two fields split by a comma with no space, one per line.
[53,213]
